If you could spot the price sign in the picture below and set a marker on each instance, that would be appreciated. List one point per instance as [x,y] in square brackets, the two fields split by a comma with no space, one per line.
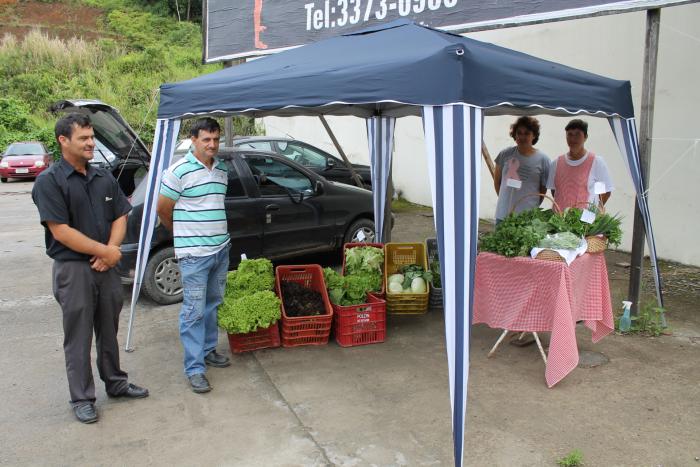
[587,216]
[599,188]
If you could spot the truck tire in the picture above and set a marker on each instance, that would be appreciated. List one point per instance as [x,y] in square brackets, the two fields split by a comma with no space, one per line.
[161,281]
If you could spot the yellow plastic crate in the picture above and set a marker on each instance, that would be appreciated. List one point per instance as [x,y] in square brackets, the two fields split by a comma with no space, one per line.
[395,256]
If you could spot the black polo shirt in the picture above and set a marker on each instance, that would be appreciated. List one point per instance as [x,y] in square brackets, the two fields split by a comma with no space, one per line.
[88,203]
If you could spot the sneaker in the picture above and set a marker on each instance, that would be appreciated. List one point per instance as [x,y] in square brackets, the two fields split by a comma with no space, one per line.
[214,358]
[199,383]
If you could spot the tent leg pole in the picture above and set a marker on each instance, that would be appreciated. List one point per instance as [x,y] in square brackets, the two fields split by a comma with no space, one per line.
[355,176]
[646,123]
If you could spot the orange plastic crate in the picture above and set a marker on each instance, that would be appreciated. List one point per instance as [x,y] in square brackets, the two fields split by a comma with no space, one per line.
[360,324]
[347,246]
[395,256]
[305,330]
[263,338]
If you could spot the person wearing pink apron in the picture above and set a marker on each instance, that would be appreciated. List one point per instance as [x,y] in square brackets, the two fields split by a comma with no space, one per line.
[579,178]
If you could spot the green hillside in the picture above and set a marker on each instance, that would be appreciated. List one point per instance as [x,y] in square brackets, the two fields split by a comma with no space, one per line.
[130,48]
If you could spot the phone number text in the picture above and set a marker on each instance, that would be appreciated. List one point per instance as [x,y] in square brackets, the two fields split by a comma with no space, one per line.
[339,13]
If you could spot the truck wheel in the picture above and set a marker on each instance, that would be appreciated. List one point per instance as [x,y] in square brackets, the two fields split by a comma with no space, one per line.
[365,226]
[162,282]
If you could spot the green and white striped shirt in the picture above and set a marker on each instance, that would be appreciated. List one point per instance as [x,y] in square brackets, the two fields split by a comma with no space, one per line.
[199,217]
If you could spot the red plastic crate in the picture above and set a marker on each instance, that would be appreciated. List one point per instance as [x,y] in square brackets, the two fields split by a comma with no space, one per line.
[263,338]
[347,246]
[360,324]
[305,330]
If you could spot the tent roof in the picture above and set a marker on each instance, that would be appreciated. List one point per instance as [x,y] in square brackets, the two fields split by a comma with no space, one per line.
[393,69]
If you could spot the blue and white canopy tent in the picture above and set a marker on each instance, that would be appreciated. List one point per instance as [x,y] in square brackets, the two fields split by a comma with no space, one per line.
[395,70]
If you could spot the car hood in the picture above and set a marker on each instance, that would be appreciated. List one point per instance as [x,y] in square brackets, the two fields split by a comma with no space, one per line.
[110,129]
[22,161]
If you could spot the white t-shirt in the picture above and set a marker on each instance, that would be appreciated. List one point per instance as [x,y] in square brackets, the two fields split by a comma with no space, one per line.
[599,173]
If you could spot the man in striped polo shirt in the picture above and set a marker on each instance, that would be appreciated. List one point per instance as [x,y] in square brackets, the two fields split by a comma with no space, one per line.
[191,205]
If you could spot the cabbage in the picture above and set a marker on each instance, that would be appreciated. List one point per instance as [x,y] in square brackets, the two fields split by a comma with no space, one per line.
[395,287]
[418,285]
[395,278]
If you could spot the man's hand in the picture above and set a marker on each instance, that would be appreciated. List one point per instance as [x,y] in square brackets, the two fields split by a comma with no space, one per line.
[110,256]
[98,265]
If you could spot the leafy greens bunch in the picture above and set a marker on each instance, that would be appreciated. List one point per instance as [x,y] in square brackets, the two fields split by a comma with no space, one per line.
[518,233]
[363,273]
[249,302]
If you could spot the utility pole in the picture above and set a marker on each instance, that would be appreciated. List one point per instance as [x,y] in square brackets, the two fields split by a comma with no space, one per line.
[646,124]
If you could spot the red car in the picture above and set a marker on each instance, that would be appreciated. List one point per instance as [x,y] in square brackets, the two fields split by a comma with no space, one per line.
[24,160]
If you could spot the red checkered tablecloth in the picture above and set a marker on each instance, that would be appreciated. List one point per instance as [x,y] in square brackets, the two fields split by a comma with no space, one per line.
[524,294]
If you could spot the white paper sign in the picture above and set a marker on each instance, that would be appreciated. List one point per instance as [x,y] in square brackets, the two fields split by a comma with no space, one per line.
[599,188]
[361,236]
[587,216]
[511,182]
[243,256]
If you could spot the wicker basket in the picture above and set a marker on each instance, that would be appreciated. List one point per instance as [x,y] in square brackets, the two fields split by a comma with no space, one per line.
[549,255]
[596,244]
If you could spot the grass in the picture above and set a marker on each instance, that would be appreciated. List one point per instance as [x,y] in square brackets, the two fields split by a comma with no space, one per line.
[573,459]
[401,205]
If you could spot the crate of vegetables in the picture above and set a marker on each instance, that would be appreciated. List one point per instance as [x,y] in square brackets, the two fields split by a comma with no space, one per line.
[263,338]
[307,314]
[360,324]
[407,278]
[250,310]
[435,293]
[366,259]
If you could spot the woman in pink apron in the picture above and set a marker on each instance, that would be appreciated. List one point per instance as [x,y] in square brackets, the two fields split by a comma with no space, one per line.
[579,178]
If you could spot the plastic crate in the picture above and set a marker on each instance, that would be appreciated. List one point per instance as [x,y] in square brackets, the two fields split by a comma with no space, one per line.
[360,324]
[435,293]
[305,330]
[395,256]
[263,338]
[347,246]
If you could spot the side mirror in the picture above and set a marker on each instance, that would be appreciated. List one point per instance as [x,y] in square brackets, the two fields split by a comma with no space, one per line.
[330,163]
[318,187]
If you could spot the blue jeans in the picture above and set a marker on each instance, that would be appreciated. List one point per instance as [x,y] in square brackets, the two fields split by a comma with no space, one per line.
[203,282]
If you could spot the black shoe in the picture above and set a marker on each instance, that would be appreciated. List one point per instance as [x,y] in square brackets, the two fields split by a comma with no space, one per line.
[199,383]
[85,413]
[132,392]
[214,358]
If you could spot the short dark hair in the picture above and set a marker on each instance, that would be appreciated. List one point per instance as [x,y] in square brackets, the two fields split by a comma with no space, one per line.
[578,124]
[530,123]
[206,124]
[64,125]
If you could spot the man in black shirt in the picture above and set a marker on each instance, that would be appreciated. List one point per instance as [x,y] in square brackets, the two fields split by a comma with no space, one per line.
[83,212]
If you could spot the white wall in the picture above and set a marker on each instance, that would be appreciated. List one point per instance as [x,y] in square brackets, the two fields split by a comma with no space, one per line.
[612,46]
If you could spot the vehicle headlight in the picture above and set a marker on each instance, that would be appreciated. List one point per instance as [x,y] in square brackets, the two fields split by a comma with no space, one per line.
[4,164]
[39,163]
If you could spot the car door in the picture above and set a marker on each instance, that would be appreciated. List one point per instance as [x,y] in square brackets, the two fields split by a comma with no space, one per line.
[293,216]
[314,159]
[245,225]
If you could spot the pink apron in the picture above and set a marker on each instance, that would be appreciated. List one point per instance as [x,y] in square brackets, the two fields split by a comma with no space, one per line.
[571,183]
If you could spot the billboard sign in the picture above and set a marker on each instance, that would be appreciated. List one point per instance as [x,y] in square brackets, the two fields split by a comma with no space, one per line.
[236,29]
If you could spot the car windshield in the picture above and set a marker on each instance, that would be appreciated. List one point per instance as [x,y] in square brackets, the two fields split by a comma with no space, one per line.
[20,149]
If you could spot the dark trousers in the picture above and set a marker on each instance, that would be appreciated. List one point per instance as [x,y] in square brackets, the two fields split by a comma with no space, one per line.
[90,300]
